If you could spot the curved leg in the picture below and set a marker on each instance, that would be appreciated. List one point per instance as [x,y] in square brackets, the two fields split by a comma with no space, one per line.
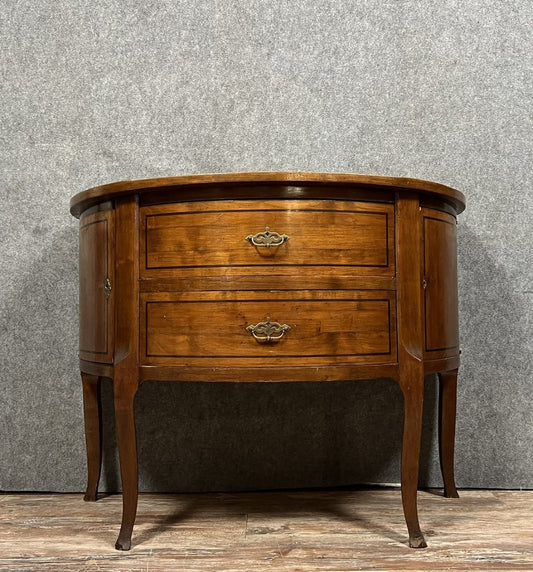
[412,433]
[125,392]
[447,409]
[92,412]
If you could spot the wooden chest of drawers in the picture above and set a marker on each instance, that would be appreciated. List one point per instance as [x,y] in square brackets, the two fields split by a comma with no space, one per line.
[264,277]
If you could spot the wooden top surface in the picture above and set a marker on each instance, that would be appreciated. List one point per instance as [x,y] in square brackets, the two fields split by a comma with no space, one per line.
[112,191]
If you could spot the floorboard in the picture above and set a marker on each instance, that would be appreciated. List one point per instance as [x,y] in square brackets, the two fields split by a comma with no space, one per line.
[341,530]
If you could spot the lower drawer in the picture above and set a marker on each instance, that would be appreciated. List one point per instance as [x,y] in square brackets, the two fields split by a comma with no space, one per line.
[267,328]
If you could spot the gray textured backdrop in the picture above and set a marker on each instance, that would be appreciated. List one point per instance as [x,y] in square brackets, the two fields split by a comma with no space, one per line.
[93,92]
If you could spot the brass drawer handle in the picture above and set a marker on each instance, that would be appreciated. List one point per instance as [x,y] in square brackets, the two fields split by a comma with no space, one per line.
[268,331]
[267,238]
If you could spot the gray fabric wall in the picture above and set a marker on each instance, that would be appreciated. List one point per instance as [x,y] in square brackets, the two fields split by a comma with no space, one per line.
[94,92]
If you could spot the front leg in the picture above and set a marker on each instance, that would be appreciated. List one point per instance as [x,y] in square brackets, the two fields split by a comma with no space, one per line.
[92,411]
[412,433]
[125,392]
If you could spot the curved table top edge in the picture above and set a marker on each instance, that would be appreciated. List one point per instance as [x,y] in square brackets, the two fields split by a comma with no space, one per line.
[94,195]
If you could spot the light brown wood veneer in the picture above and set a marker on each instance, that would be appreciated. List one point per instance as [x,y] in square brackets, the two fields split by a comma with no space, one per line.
[265,277]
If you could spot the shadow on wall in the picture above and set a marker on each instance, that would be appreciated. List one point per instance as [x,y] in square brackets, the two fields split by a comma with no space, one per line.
[231,436]
[494,433]
[223,437]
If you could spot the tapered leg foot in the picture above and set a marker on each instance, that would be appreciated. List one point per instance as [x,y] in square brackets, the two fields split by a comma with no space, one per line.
[451,493]
[93,433]
[447,413]
[124,541]
[417,541]
[90,496]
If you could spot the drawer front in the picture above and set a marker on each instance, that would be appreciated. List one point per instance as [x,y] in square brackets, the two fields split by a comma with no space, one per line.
[239,328]
[285,237]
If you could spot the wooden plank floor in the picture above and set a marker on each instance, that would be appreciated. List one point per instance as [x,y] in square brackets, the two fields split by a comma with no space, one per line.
[300,531]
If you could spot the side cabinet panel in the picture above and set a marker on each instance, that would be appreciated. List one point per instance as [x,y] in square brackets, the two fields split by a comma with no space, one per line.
[440,288]
[96,287]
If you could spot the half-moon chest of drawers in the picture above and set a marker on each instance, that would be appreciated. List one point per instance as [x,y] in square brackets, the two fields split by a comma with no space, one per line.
[268,277]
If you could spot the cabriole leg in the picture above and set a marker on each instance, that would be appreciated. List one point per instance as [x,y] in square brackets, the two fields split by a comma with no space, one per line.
[412,433]
[92,412]
[447,412]
[127,449]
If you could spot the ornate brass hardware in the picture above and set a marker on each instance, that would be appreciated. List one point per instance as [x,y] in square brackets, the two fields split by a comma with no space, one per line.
[107,288]
[268,331]
[267,238]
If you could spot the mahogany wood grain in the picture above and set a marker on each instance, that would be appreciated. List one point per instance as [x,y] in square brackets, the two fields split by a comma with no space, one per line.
[440,284]
[367,283]
[126,376]
[325,328]
[93,432]
[443,364]
[275,281]
[186,187]
[410,340]
[96,266]
[325,235]
[95,368]
[278,373]
[447,407]
[125,389]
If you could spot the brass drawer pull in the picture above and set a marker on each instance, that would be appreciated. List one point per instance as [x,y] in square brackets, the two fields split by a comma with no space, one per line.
[268,331]
[267,238]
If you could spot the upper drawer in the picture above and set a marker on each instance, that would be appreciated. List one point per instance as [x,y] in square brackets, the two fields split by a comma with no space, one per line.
[298,236]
